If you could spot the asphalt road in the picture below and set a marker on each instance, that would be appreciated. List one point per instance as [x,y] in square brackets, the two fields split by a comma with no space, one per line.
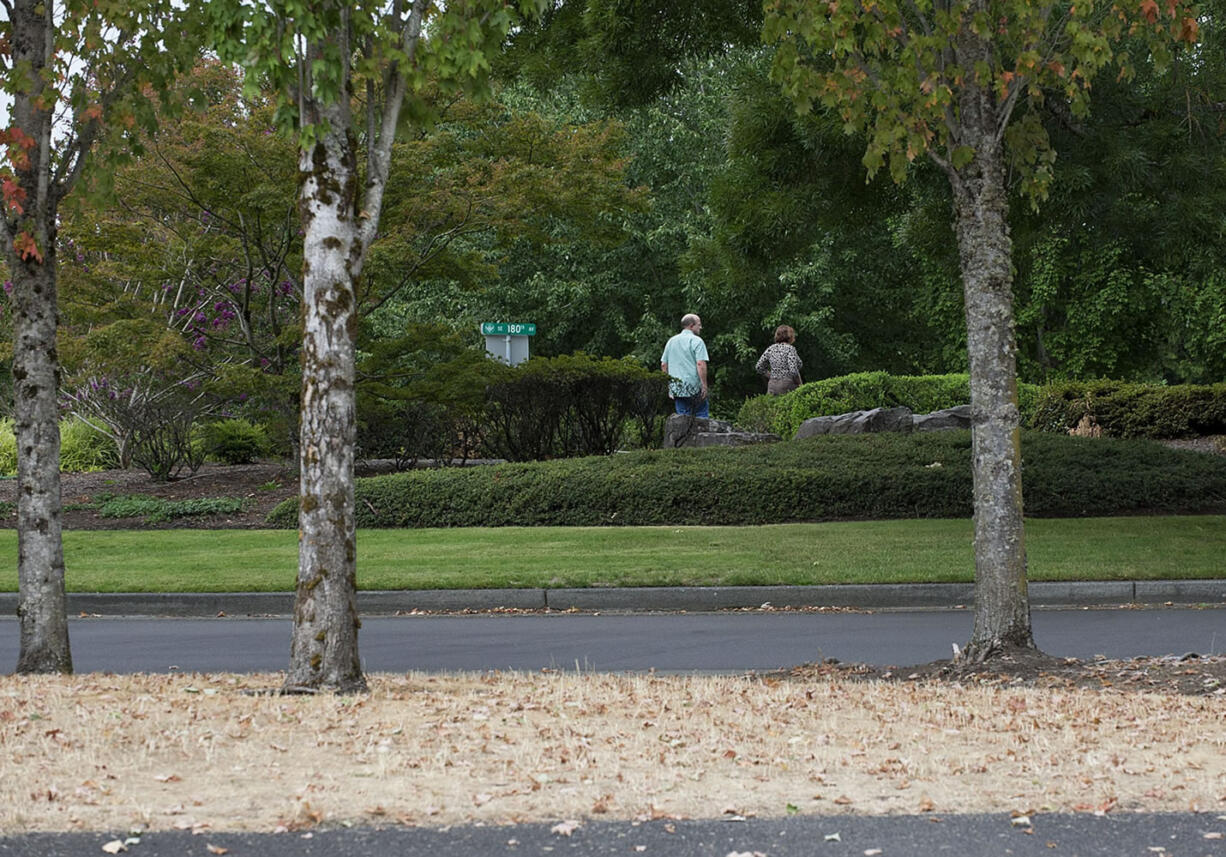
[700,642]
[1118,835]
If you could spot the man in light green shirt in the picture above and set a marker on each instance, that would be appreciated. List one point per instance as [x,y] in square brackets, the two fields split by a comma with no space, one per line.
[685,362]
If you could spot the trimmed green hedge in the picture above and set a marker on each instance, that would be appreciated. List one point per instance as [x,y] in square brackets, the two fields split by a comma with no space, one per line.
[823,478]
[863,391]
[1121,409]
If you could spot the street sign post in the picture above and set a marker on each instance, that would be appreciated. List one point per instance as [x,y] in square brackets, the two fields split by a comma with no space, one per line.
[507,341]
[502,328]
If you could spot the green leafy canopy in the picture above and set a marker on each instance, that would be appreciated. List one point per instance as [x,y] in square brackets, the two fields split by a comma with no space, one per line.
[889,68]
[430,44]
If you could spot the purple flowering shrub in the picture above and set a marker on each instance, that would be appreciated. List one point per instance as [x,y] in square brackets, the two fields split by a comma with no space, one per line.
[149,415]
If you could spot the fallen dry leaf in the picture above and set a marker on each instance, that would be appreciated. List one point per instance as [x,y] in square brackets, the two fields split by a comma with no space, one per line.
[217,849]
[566,828]
[114,846]
[418,747]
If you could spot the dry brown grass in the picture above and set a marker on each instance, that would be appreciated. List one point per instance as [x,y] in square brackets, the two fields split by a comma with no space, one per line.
[101,752]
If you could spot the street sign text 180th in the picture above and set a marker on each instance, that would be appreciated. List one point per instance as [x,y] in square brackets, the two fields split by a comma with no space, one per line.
[502,328]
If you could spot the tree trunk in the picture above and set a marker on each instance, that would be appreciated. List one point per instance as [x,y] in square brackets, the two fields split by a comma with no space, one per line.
[324,648]
[1002,605]
[41,602]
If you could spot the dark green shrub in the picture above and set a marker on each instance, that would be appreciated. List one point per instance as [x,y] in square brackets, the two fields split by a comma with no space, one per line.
[422,396]
[1120,409]
[233,441]
[863,391]
[573,405]
[407,431]
[823,478]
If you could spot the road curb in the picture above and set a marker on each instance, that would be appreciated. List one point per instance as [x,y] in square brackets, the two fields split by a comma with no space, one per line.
[641,599]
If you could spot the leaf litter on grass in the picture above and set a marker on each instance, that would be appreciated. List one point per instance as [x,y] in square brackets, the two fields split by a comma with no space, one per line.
[194,752]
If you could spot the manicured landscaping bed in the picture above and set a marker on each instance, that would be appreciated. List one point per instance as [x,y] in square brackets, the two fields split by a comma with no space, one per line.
[864,477]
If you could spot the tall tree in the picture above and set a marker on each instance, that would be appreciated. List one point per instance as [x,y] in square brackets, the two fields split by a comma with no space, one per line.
[962,81]
[628,53]
[80,74]
[318,55]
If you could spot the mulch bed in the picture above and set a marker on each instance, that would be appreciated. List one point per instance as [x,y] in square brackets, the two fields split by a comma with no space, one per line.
[1189,674]
[262,485]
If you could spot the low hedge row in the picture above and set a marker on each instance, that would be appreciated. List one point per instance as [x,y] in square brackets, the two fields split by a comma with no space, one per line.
[863,391]
[823,478]
[1118,409]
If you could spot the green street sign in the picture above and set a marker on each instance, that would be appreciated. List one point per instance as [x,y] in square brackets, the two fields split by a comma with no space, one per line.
[502,328]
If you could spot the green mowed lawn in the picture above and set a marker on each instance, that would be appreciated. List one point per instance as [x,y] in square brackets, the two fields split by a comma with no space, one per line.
[904,551]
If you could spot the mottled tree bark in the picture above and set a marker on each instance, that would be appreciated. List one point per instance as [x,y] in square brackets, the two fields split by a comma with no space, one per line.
[338,231]
[41,602]
[1002,605]
[324,648]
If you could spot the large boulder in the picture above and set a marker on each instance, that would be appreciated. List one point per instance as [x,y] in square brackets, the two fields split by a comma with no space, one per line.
[886,419]
[681,430]
[948,419]
[858,422]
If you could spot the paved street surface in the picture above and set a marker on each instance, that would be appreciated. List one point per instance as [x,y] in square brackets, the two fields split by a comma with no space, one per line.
[699,642]
[1116,835]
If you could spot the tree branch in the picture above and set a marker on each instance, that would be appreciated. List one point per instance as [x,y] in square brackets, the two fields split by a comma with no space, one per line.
[380,150]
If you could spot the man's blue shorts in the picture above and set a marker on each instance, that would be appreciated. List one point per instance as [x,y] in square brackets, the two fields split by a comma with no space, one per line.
[693,406]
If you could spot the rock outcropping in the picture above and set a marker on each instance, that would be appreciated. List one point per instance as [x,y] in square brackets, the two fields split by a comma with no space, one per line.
[682,430]
[699,431]
[886,419]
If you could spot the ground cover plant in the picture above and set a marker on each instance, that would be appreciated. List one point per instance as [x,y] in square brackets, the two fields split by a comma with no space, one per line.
[154,509]
[159,752]
[862,552]
[824,478]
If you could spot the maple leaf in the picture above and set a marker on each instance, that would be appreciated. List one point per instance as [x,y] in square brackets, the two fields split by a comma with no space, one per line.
[1149,8]
[14,195]
[26,248]
[1189,31]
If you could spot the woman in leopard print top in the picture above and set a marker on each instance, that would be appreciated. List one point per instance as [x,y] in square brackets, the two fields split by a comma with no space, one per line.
[780,363]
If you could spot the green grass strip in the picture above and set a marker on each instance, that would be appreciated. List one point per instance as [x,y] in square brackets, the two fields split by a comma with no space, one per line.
[907,551]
